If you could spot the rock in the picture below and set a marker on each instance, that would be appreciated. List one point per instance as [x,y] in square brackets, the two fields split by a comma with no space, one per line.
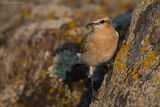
[135,74]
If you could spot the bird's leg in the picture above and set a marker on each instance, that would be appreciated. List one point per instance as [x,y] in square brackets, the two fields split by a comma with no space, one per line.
[91,70]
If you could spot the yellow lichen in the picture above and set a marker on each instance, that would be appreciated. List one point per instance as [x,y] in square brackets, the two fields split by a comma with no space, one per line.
[44,69]
[79,39]
[26,14]
[36,15]
[134,71]
[18,22]
[76,100]
[57,44]
[50,16]
[12,35]
[57,31]
[71,24]
[141,67]
[126,82]
[120,94]
[17,49]
[112,84]
[122,54]
[64,101]
[78,15]
[152,56]
[60,90]
[49,61]
[122,66]
[117,84]
[146,42]
[40,76]
[153,81]
[151,31]
[146,64]
[67,32]
[51,90]
[135,77]
[143,50]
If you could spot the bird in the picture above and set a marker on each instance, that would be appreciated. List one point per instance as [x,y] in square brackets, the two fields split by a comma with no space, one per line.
[99,43]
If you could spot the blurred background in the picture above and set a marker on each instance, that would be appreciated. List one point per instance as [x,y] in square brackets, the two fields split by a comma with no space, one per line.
[38,44]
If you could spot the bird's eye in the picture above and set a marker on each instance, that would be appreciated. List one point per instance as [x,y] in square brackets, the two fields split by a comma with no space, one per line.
[102,21]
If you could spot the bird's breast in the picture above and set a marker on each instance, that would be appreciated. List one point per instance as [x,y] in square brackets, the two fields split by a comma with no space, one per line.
[99,49]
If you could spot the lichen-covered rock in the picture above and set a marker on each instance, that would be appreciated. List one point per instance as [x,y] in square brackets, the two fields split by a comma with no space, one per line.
[33,39]
[135,78]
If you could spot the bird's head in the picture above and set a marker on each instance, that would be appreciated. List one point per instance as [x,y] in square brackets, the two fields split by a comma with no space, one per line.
[99,22]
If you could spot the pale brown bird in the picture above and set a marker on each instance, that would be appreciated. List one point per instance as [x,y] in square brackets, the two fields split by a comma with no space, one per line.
[100,43]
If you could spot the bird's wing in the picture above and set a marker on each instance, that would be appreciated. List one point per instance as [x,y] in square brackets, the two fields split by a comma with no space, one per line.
[87,32]
[84,46]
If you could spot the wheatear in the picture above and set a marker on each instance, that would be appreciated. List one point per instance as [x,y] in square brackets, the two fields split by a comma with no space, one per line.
[100,43]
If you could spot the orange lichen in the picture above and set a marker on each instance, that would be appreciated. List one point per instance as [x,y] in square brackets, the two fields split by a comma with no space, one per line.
[151,31]
[151,0]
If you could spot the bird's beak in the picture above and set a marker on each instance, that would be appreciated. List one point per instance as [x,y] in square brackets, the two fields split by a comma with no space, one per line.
[89,24]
